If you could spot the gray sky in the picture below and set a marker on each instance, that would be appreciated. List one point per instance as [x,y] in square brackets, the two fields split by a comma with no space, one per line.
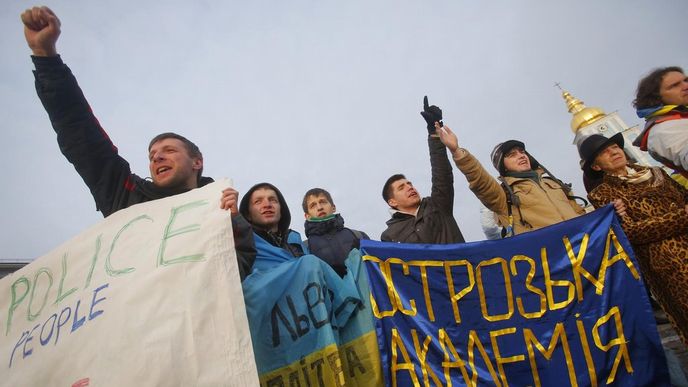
[319,93]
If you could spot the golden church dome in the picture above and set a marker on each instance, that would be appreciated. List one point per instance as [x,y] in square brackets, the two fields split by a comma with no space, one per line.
[582,115]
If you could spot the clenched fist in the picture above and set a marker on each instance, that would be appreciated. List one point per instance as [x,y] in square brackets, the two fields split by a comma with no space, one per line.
[41,30]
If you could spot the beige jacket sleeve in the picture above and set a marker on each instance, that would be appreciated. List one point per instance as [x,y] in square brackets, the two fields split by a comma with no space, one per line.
[485,187]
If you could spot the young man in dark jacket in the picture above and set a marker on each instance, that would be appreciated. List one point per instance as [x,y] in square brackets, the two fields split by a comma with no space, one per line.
[327,237]
[430,219]
[175,163]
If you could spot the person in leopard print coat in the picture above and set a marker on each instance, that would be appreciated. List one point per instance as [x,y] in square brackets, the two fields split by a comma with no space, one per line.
[655,220]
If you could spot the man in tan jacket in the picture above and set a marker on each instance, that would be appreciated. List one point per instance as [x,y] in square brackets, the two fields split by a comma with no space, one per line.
[527,199]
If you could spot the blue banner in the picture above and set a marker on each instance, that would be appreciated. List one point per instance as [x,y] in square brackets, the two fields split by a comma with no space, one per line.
[564,305]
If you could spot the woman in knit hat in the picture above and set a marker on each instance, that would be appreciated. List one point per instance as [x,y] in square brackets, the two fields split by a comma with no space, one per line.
[526,197]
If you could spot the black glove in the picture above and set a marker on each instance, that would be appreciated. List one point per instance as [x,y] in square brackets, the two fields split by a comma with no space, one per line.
[431,114]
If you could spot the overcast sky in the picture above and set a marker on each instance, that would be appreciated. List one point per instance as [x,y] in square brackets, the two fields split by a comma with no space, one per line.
[319,93]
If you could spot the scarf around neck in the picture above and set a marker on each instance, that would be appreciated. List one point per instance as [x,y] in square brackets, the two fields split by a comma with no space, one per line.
[655,111]
[637,174]
[532,175]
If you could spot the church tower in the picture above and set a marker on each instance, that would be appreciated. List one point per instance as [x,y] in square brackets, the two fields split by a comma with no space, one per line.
[591,120]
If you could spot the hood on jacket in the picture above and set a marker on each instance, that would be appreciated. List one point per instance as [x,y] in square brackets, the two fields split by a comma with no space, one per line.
[285,215]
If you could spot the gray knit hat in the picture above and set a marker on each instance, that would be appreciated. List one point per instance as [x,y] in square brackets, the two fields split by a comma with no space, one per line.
[503,148]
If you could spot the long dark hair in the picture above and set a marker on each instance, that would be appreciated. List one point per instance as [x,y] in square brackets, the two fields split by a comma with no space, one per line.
[647,94]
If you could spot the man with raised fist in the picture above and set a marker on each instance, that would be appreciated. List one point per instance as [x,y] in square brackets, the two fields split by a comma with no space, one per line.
[175,163]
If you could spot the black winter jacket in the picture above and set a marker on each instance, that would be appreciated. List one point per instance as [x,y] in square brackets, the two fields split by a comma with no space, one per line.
[86,145]
[330,241]
[434,222]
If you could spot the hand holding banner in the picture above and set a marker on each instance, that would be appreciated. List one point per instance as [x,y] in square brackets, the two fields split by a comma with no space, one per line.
[149,296]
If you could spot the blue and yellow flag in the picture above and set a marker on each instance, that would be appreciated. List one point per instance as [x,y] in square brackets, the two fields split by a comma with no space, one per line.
[560,306]
[309,327]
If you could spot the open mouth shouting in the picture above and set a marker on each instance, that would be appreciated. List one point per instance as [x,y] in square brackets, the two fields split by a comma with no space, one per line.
[163,171]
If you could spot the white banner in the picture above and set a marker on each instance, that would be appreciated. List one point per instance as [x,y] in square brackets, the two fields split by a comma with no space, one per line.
[150,296]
